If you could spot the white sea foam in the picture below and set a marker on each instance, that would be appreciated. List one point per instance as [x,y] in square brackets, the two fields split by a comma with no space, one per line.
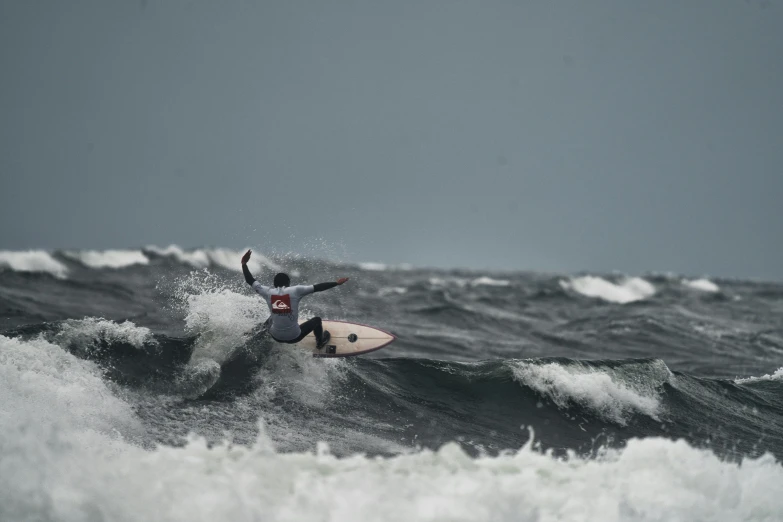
[627,291]
[650,479]
[194,258]
[705,285]
[32,261]
[222,257]
[65,455]
[90,330]
[228,258]
[374,267]
[109,258]
[44,382]
[221,317]
[488,281]
[381,267]
[605,394]
[389,290]
[440,282]
[776,376]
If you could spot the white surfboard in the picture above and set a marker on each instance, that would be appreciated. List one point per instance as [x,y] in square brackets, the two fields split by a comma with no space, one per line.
[348,339]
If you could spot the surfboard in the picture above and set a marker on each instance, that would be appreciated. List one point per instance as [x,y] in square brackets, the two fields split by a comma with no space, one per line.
[348,340]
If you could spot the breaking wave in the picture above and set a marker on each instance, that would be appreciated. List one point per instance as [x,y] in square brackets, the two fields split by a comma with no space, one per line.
[222,257]
[92,331]
[32,261]
[488,281]
[705,285]
[626,291]
[108,374]
[69,449]
[109,258]
[601,390]
[775,376]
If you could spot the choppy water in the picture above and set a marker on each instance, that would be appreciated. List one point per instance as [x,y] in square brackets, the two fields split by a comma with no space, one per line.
[134,388]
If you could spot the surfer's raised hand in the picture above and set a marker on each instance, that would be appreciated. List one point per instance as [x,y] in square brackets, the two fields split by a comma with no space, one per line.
[246,257]
[342,280]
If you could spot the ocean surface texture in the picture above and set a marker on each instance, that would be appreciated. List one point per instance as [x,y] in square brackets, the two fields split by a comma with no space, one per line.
[135,386]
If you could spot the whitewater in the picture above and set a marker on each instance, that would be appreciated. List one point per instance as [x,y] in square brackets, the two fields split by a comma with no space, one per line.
[136,387]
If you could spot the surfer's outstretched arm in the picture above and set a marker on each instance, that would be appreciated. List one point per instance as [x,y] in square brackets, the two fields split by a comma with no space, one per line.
[320,287]
[248,276]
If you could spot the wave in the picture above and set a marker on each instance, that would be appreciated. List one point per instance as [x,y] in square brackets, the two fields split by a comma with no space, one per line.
[704,285]
[602,391]
[228,481]
[42,383]
[775,376]
[32,261]
[75,455]
[488,281]
[228,258]
[626,291]
[108,258]
[221,318]
[92,331]
[390,290]
[42,261]
[196,258]
[222,257]
[373,267]
[462,282]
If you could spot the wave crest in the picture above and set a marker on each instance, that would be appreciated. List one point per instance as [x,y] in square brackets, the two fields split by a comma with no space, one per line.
[627,291]
[32,261]
[775,376]
[488,281]
[601,391]
[91,330]
[220,317]
[42,383]
[109,258]
[704,285]
[222,257]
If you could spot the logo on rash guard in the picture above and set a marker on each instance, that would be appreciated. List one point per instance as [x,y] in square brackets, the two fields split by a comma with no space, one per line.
[281,304]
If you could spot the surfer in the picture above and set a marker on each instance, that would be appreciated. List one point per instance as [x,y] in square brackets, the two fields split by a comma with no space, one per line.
[283,303]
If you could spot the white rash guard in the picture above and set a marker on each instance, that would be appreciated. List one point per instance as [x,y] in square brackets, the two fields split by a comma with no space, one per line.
[283,303]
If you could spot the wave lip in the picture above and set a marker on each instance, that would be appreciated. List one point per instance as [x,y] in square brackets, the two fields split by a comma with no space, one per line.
[703,284]
[628,290]
[109,258]
[601,391]
[32,261]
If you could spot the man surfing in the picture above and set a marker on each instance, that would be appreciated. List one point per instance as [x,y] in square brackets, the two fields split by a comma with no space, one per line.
[283,302]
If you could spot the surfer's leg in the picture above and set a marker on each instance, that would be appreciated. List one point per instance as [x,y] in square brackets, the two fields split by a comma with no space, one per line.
[313,325]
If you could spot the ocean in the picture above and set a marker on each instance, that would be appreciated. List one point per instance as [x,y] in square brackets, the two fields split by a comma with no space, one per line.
[135,386]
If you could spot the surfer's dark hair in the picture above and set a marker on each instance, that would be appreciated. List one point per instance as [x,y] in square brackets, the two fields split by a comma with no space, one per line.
[282,279]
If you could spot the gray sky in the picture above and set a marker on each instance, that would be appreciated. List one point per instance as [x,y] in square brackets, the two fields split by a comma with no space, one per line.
[549,135]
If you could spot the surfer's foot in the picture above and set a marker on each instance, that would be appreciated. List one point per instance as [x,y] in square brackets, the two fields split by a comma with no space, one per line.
[324,339]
